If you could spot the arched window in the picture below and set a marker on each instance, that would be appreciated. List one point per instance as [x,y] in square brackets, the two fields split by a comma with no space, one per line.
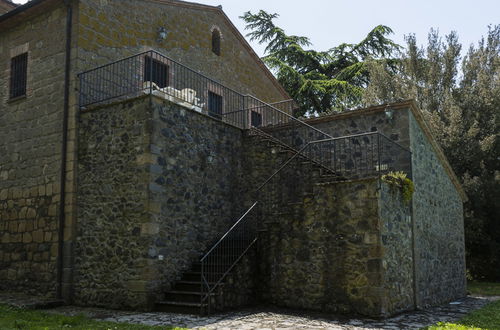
[216,42]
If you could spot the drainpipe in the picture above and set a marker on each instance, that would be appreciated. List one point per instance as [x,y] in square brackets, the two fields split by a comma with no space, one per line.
[64,148]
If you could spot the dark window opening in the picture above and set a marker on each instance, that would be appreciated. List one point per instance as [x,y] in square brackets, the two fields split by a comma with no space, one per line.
[18,75]
[215,105]
[216,42]
[156,72]
[256,119]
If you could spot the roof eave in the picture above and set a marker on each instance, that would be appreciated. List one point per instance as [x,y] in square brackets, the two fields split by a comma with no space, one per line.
[20,9]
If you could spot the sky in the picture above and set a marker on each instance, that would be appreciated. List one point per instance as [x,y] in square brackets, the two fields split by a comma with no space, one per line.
[328,23]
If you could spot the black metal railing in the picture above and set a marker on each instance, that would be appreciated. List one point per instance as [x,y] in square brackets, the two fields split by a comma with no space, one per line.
[153,73]
[226,253]
[360,156]
[283,126]
[156,74]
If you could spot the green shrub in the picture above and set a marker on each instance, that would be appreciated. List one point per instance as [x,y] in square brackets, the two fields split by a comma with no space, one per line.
[399,179]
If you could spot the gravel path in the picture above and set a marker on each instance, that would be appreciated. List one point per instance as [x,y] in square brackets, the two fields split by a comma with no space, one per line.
[265,318]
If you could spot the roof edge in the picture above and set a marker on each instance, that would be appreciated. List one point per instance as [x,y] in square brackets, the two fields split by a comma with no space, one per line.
[419,117]
[19,9]
[244,42]
[184,4]
[418,114]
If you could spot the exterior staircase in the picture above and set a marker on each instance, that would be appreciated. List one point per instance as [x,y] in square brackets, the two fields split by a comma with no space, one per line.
[187,294]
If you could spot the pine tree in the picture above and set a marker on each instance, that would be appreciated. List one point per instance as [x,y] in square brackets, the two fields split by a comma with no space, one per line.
[320,81]
[462,105]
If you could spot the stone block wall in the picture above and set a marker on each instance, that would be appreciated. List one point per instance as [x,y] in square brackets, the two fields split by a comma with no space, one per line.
[439,227]
[331,247]
[193,185]
[109,30]
[362,121]
[157,185]
[111,264]
[396,230]
[333,256]
[30,159]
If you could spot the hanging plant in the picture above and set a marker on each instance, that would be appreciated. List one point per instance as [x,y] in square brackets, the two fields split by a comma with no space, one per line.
[400,180]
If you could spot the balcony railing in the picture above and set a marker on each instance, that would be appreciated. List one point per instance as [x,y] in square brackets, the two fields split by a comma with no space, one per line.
[155,74]
[360,156]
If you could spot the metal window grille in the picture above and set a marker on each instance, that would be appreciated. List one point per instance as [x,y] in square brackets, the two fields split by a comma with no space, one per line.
[18,75]
[216,42]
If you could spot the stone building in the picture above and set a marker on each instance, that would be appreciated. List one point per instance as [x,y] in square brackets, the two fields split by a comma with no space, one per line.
[150,160]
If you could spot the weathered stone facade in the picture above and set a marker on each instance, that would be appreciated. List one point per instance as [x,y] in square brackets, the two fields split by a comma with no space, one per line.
[437,213]
[332,247]
[113,219]
[439,229]
[170,190]
[30,155]
[150,184]
[110,30]
[193,185]
[31,126]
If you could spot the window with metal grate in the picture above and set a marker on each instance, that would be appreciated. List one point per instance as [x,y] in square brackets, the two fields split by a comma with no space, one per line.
[18,75]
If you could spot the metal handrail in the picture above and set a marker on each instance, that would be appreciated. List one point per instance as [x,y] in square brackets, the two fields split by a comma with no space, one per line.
[291,117]
[362,134]
[230,229]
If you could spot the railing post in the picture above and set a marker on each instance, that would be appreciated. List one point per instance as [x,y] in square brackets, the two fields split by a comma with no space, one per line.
[80,96]
[150,73]
[378,154]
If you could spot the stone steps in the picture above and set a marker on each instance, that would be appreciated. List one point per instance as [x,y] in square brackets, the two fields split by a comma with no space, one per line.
[167,306]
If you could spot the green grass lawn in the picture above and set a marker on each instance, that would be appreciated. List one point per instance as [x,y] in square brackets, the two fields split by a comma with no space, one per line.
[484,288]
[15,318]
[487,317]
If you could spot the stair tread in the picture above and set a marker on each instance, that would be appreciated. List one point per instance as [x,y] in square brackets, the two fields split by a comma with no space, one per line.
[191,282]
[180,303]
[187,292]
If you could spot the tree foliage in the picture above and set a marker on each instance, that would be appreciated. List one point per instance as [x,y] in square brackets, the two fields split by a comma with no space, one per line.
[319,81]
[461,100]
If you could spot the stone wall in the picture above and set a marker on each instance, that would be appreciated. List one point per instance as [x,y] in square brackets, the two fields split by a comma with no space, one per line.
[439,227]
[114,226]
[396,230]
[331,247]
[30,160]
[356,122]
[157,186]
[109,30]
[193,185]
[332,256]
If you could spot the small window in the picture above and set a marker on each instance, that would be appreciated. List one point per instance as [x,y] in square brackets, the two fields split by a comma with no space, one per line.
[216,42]
[156,72]
[215,105]
[18,75]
